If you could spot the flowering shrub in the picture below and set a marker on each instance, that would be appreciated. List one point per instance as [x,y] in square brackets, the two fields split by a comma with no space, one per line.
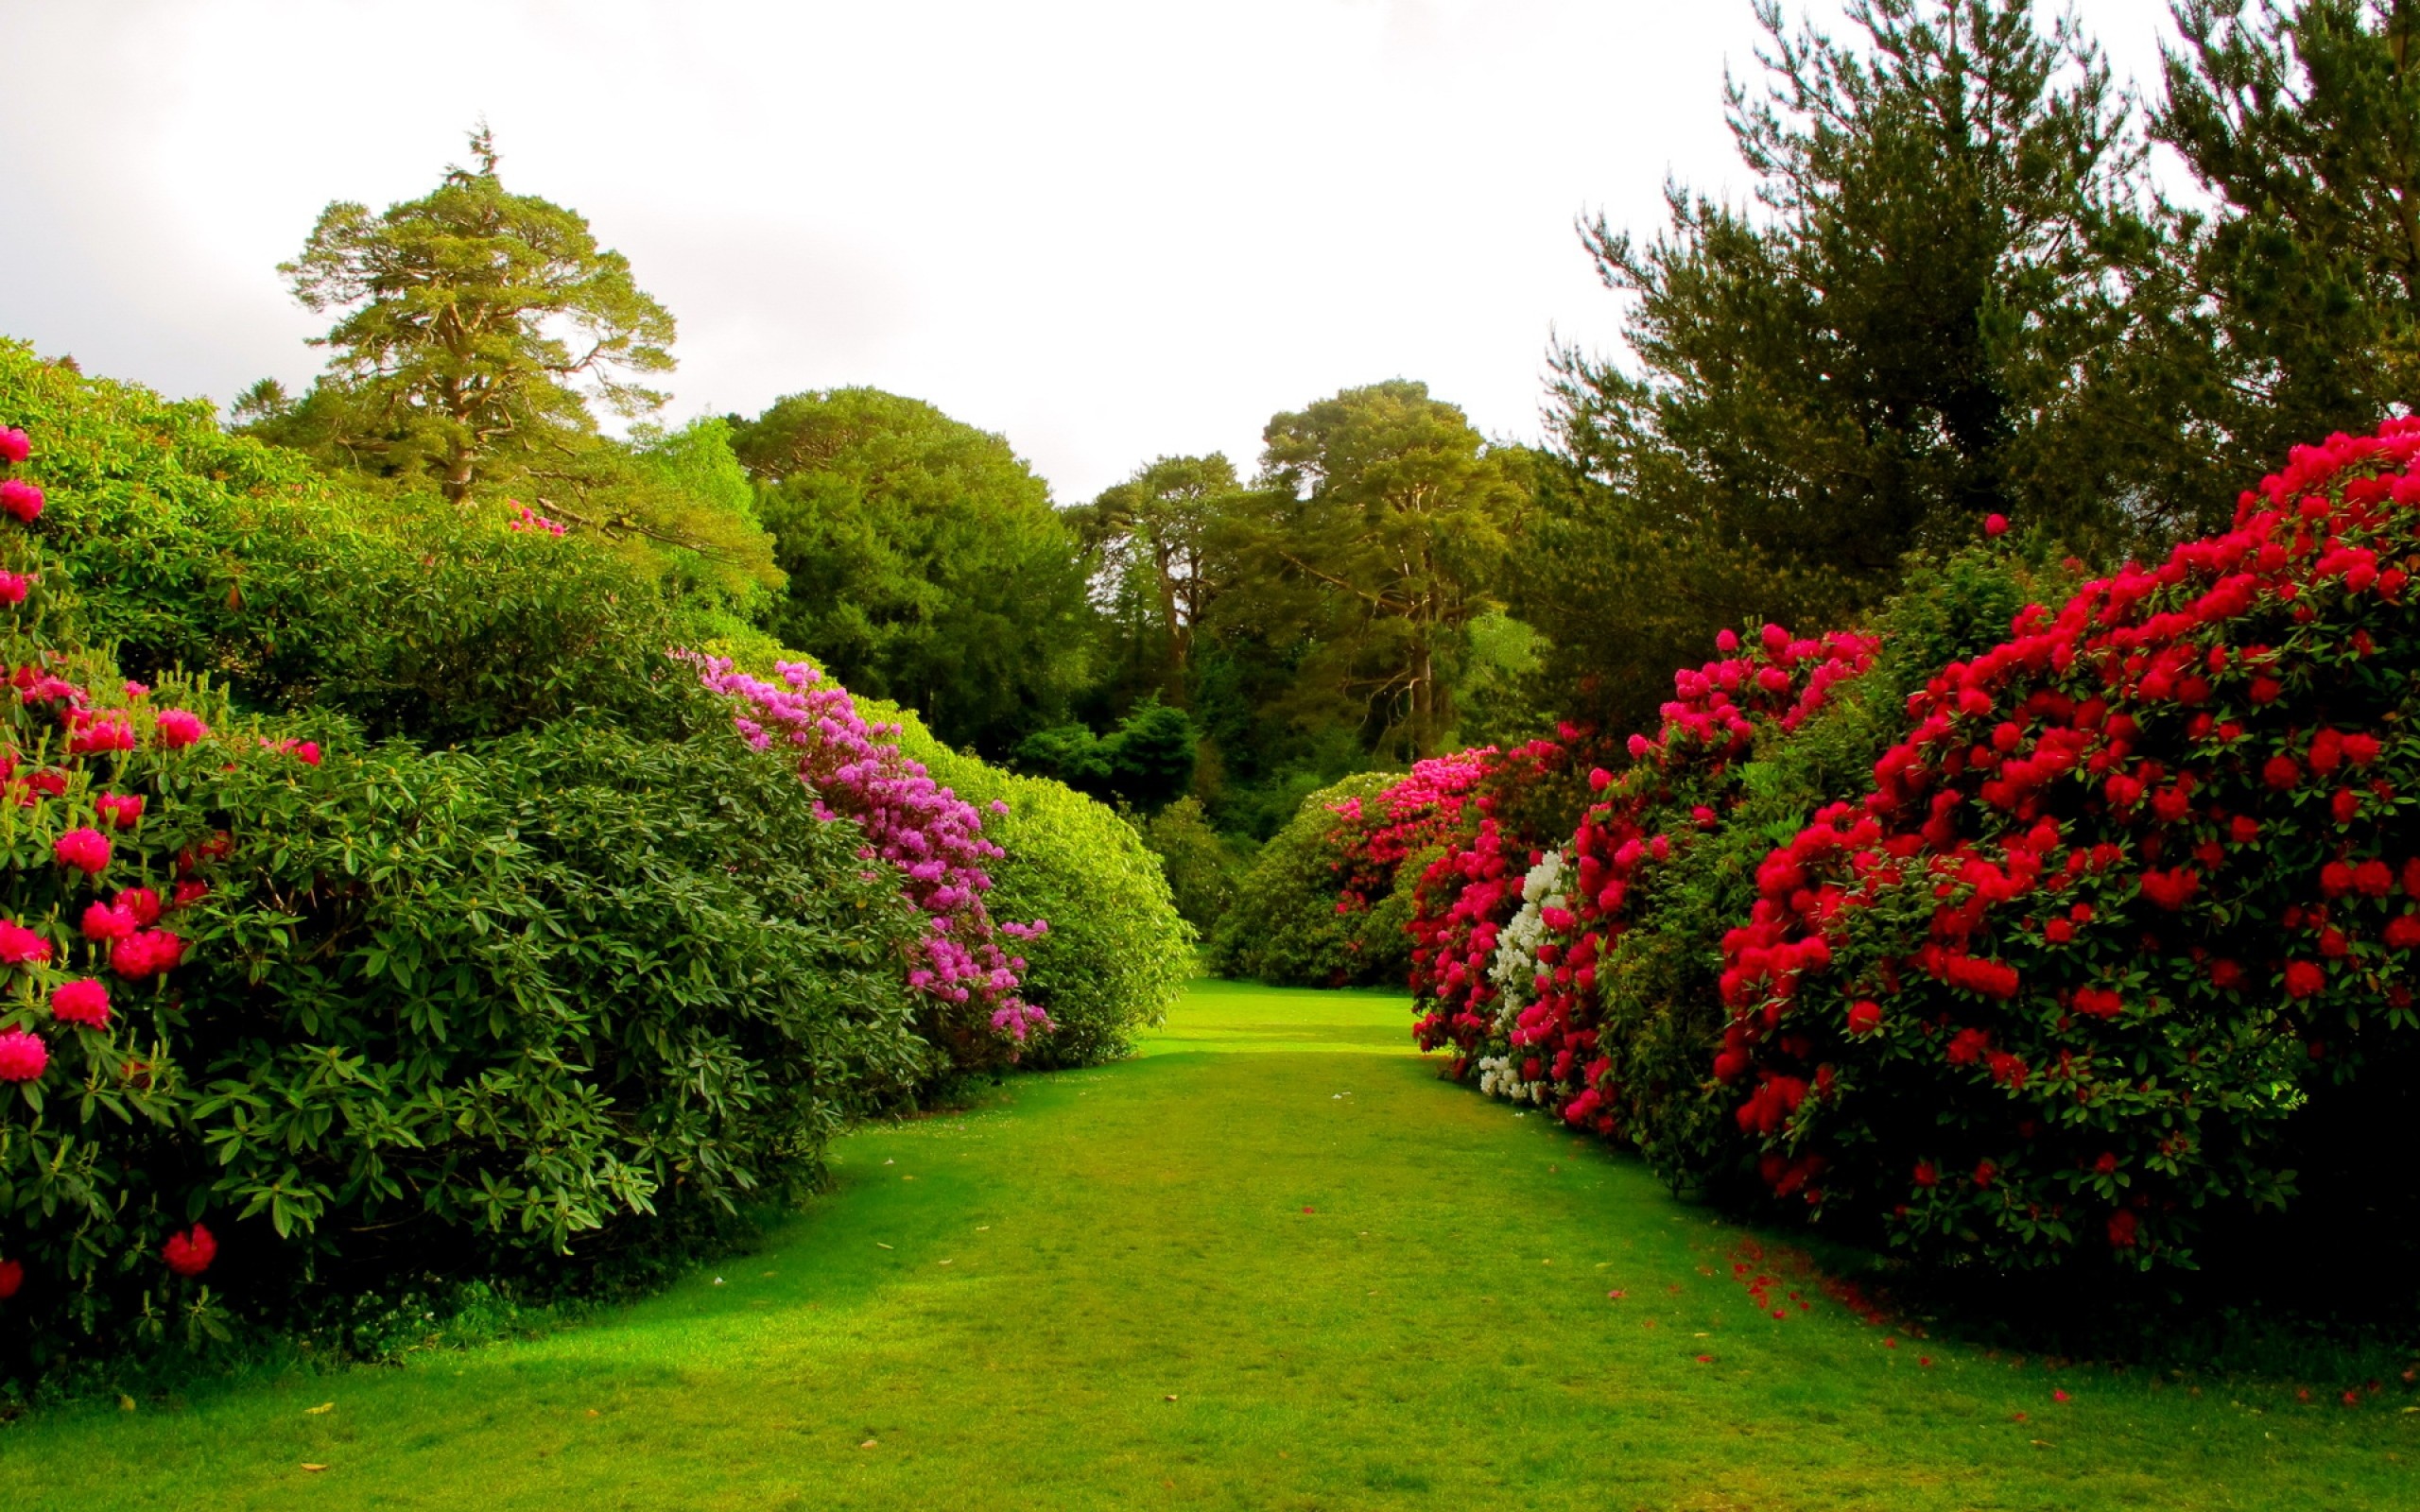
[1509,959]
[282,1016]
[932,836]
[97,879]
[2136,885]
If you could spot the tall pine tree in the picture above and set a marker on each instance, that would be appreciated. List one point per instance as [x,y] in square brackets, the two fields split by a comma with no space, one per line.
[1924,317]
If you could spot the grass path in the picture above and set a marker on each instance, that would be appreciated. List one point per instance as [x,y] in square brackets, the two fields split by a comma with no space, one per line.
[1360,1287]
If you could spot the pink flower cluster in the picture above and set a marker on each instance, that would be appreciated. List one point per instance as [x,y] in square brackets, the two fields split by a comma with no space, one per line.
[1412,814]
[524,518]
[931,835]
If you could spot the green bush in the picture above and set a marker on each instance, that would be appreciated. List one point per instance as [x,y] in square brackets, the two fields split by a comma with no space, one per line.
[1146,762]
[454,1014]
[1116,954]
[1288,927]
[194,549]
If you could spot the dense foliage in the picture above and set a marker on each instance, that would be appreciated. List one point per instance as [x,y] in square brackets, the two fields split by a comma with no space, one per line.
[925,562]
[1204,870]
[1147,763]
[1516,943]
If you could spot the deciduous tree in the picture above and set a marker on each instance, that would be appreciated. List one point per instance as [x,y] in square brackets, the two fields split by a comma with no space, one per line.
[927,564]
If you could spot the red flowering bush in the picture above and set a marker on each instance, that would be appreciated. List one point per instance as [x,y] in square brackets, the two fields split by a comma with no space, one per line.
[281,1020]
[1514,938]
[98,874]
[2134,885]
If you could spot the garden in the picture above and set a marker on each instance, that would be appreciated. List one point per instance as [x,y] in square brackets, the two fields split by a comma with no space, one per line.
[1843,934]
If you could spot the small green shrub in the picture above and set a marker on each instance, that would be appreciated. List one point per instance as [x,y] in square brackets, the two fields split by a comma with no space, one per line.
[1203,871]
[1289,926]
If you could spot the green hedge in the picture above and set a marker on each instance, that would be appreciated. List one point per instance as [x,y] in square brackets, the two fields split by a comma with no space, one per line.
[216,554]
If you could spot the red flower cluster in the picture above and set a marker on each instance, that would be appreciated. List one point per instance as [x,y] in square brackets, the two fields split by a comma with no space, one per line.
[65,760]
[190,1253]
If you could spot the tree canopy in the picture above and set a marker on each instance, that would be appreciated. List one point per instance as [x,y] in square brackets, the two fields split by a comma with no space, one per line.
[467,316]
[925,560]
[1380,530]
[2303,124]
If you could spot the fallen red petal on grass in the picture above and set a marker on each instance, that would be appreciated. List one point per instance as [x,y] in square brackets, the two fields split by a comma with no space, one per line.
[1706,1359]
[2057,1394]
[1925,1360]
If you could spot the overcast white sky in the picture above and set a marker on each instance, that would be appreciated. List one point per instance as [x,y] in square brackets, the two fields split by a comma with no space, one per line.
[1107,230]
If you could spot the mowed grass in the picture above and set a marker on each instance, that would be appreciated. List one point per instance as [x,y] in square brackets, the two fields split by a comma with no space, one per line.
[1270,1263]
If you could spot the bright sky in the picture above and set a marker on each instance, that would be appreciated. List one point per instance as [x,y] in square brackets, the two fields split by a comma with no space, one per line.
[1110,231]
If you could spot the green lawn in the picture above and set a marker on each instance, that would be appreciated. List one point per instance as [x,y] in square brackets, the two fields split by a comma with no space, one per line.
[1271,1263]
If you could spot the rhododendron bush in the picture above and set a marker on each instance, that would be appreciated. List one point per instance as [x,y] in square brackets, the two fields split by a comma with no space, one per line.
[99,877]
[2137,884]
[1329,899]
[2041,952]
[932,836]
[288,1017]
[1116,954]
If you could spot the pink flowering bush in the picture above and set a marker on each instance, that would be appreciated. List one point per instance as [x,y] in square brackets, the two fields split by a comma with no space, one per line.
[932,838]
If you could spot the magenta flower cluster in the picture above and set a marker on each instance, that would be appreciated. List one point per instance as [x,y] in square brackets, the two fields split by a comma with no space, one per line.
[931,835]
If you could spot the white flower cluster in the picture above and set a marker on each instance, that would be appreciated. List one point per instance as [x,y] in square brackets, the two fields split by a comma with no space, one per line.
[1514,973]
